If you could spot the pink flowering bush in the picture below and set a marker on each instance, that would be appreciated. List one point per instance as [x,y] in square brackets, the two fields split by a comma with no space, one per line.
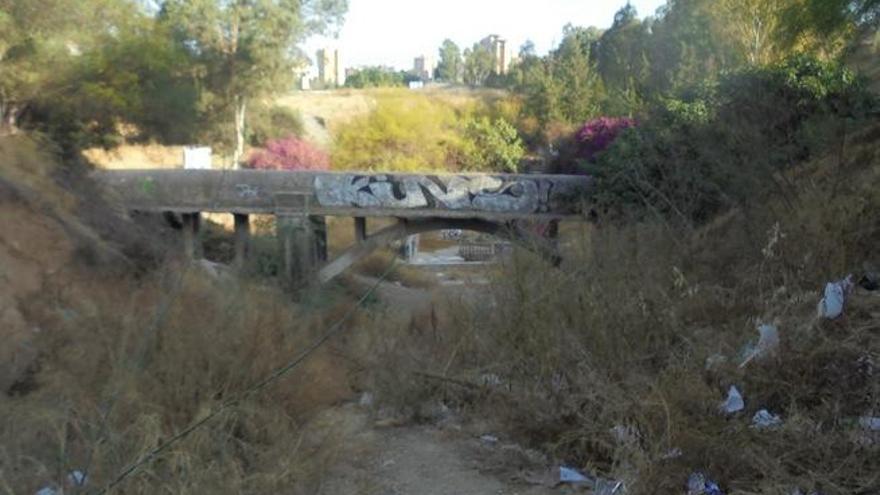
[289,153]
[598,134]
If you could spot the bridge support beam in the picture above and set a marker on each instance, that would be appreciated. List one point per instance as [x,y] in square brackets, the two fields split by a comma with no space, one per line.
[242,239]
[360,229]
[191,234]
[303,241]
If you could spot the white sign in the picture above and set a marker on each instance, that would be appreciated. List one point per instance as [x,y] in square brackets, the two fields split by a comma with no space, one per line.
[197,158]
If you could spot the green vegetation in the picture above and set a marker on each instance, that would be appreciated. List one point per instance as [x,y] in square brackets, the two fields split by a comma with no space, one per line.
[377,77]
[415,132]
[102,71]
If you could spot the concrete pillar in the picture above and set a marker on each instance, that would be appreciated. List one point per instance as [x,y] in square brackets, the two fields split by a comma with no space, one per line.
[360,229]
[242,239]
[319,227]
[298,240]
[410,247]
[191,234]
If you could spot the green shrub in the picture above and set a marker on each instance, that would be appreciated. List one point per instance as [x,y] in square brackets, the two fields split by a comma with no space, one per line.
[727,145]
[403,133]
[270,123]
[492,146]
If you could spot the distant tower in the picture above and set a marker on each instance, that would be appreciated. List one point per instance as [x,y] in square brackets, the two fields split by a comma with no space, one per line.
[502,54]
[331,72]
[423,67]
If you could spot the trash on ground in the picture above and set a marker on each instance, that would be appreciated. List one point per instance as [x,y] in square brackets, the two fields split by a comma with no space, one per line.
[571,475]
[763,419]
[673,453]
[768,342]
[490,439]
[625,434]
[47,490]
[77,478]
[714,361]
[734,402]
[870,423]
[491,380]
[367,399]
[831,306]
[607,487]
[699,484]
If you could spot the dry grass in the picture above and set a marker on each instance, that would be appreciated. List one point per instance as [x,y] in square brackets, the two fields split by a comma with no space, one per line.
[604,363]
[101,346]
[377,264]
[99,376]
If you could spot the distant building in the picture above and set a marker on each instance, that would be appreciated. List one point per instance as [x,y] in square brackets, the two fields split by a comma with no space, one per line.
[331,73]
[424,67]
[502,53]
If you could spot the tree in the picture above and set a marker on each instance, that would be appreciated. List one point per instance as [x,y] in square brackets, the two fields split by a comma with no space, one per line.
[376,77]
[478,65]
[39,40]
[247,47]
[753,27]
[687,46]
[827,24]
[622,53]
[449,68]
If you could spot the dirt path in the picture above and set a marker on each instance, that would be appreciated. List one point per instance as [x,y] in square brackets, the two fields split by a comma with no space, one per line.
[422,460]
[380,457]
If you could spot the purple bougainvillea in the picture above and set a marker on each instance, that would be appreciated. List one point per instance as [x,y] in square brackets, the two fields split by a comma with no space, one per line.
[598,134]
[289,154]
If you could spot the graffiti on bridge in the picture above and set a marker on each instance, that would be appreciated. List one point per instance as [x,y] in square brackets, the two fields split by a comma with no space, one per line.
[459,192]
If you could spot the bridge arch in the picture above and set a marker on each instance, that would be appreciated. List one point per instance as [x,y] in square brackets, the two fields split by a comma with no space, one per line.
[407,227]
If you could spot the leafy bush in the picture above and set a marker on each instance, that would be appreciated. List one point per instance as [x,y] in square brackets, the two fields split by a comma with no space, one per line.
[492,145]
[269,123]
[289,154]
[404,133]
[730,144]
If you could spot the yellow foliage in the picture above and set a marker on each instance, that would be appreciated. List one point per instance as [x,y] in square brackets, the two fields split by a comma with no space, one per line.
[405,132]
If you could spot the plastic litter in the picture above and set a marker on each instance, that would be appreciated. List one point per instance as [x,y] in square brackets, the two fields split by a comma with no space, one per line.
[768,342]
[714,361]
[734,402]
[607,487]
[673,453]
[571,475]
[490,439]
[77,478]
[491,380]
[367,399]
[763,419]
[831,306]
[870,423]
[47,490]
[699,484]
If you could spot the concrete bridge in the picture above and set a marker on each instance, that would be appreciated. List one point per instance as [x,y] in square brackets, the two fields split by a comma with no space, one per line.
[497,204]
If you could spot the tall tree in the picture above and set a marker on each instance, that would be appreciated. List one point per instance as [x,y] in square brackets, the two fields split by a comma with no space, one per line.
[449,68]
[753,27]
[622,52]
[478,64]
[39,39]
[687,46]
[247,47]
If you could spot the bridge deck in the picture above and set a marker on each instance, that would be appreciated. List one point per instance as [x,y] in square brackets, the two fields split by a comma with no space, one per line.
[489,197]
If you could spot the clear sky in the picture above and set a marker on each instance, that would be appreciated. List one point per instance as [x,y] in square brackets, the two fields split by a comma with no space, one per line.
[393,32]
